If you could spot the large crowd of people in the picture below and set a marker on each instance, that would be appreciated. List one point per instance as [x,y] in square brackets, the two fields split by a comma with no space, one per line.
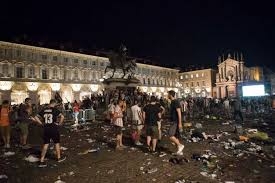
[144,112]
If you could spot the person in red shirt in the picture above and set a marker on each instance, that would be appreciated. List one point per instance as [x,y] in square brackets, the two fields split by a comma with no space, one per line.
[76,112]
[5,123]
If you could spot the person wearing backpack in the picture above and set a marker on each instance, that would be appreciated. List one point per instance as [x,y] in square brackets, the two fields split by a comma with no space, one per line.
[5,123]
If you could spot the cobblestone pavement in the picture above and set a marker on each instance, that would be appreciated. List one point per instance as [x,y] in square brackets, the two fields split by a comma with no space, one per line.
[134,164]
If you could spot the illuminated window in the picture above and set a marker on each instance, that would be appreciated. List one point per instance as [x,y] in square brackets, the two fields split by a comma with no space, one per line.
[192,76]
[181,77]
[197,75]
[202,74]
[186,76]
[19,72]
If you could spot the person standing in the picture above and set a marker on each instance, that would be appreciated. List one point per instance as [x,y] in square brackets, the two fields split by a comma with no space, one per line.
[5,123]
[52,118]
[75,112]
[151,115]
[118,122]
[137,121]
[175,118]
[238,109]
[24,113]
[226,104]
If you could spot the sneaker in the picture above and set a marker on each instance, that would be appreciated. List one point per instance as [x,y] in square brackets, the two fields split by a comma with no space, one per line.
[180,149]
[138,143]
[61,159]
[42,165]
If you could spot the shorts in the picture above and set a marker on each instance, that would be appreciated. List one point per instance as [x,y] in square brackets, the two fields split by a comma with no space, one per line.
[5,130]
[152,131]
[117,130]
[51,133]
[24,128]
[174,130]
[137,125]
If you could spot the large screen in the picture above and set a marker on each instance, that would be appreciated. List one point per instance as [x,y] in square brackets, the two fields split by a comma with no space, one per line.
[253,90]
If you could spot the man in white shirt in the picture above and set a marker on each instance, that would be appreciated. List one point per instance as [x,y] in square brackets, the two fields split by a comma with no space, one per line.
[137,122]
[226,104]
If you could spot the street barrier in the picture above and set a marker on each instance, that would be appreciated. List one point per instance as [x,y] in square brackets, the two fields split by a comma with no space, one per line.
[84,115]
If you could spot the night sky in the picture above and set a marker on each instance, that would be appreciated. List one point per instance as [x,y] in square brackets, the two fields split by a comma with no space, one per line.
[188,32]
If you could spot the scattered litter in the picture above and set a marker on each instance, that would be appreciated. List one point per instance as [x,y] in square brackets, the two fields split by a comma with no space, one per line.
[141,168]
[225,123]
[212,176]
[3,177]
[110,171]
[259,136]
[178,161]
[64,148]
[243,138]
[59,181]
[229,182]
[187,124]
[162,155]
[71,173]
[180,181]
[198,125]
[154,180]
[152,171]
[93,150]
[32,159]
[252,130]
[9,153]
[84,152]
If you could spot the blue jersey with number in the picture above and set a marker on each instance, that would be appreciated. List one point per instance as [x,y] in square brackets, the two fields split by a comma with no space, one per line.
[50,115]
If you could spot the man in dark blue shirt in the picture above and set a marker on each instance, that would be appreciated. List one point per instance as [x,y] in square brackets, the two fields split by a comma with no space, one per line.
[175,118]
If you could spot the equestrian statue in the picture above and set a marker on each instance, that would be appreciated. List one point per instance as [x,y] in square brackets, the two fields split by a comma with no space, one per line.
[119,61]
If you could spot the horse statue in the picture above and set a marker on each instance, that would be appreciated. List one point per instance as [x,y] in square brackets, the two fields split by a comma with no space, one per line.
[119,61]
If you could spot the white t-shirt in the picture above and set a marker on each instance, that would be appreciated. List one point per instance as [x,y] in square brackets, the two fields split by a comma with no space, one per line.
[136,110]
[226,104]
[118,121]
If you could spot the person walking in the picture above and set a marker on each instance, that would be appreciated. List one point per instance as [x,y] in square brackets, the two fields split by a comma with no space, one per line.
[52,118]
[175,118]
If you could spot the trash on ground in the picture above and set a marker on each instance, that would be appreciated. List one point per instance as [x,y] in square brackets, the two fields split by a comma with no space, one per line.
[153,170]
[110,171]
[32,159]
[9,153]
[59,181]
[162,155]
[243,138]
[3,177]
[64,148]
[259,136]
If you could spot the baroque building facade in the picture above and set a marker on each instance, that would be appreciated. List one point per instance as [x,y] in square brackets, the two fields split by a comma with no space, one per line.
[35,72]
[197,83]
[233,74]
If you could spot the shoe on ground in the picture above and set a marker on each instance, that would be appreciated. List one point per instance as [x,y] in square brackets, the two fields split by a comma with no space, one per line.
[26,146]
[42,165]
[61,159]
[138,143]
[180,149]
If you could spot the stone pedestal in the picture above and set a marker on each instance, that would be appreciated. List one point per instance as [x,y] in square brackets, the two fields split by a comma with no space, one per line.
[114,83]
